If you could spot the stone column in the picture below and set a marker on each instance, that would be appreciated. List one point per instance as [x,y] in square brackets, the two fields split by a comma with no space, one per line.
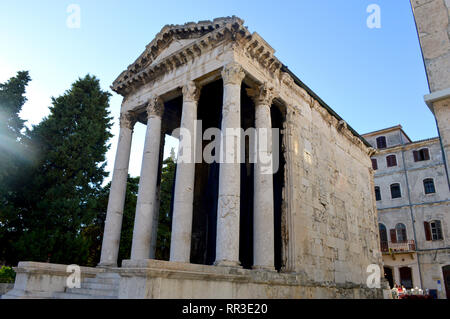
[180,246]
[146,202]
[263,211]
[116,201]
[227,243]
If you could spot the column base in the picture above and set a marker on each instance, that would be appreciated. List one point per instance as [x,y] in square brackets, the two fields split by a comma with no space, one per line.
[227,263]
[265,268]
[106,265]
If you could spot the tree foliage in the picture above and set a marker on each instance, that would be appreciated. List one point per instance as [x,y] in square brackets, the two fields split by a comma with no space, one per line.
[12,99]
[48,211]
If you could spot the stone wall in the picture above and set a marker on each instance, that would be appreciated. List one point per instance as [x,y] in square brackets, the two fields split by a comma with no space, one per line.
[4,288]
[335,230]
[432,19]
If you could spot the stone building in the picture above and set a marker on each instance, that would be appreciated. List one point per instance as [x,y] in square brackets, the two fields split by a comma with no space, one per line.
[309,230]
[413,201]
[433,28]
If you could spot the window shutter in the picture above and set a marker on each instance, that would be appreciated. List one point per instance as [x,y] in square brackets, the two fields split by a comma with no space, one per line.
[426,154]
[416,156]
[426,225]
[374,164]
[393,235]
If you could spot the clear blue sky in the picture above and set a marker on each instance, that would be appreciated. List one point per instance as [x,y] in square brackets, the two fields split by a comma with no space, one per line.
[373,78]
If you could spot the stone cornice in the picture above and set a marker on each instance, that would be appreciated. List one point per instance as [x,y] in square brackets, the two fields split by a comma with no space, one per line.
[289,85]
[206,33]
[408,146]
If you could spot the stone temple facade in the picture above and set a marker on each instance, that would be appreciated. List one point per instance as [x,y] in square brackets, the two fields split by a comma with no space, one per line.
[309,230]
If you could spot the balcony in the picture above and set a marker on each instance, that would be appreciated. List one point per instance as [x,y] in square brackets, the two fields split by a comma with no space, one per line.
[398,248]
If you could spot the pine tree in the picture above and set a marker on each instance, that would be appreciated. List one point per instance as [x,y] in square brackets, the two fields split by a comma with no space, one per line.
[12,99]
[60,195]
[13,156]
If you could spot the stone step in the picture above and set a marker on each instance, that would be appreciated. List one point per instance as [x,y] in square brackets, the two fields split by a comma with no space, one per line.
[99,286]
[101,280]
[67,295]
[92,292]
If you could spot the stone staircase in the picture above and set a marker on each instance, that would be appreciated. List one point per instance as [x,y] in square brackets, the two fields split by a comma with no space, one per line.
[103,286]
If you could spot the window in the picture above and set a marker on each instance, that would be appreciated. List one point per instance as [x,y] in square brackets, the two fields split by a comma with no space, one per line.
[383,233]
[391,160]
[381,142]
[383,238]
[377,193]
[395,191]
[421,155]
[374,164]
[433,230]
[428,185]
[400,230]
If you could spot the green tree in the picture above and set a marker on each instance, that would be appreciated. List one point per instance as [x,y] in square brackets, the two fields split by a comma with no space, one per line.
[14,156]
[58,198]
[12,99]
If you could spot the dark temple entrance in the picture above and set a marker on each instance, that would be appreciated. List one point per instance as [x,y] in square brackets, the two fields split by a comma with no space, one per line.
[206,187]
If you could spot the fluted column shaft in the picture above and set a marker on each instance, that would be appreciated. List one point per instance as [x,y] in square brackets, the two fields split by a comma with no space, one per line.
[180,247]
[116,201]
[227,243]
[146,202]
[263,207]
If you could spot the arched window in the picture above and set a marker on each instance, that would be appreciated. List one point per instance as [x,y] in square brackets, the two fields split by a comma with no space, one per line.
[381,142]
[383,237]
[433,230]
[377,193]
[400,230]
[395,191]
[391,160]
[428,185]
[374,164]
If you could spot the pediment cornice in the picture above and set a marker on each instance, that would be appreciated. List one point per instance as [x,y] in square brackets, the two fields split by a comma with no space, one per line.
[206,35]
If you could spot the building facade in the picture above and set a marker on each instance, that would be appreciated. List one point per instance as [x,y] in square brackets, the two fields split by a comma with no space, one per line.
[432,20]
[413,203]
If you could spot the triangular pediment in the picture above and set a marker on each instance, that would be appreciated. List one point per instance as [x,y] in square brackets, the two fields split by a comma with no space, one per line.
[175,45]
[173,38]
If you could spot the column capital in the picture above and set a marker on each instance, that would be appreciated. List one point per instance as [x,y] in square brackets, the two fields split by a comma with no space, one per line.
[191,92]
[155,106]
[127,120]
[263,94]
[232,73]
